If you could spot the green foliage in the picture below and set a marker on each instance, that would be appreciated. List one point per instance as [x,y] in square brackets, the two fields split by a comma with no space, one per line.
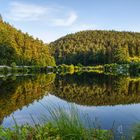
[27,132]
[71,69]
[136,132]
[135,68]
[96,47]
[63,125]
[64,69]
[22,48]
[116,69]
[13,64]
[5,70]
[70,126]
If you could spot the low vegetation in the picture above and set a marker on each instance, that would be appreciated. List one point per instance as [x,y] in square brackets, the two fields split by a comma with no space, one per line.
[136,132]
[63,125]
[109,69]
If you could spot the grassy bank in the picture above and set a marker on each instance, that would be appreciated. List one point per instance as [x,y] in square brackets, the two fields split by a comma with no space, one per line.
[109,69]
[24,69]
[63,125]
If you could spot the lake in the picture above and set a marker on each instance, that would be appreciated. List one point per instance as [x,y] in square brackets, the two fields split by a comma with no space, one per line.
[108,100]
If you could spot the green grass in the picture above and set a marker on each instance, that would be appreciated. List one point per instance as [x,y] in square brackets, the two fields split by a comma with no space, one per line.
[62,125]
[70,125]
[136,132]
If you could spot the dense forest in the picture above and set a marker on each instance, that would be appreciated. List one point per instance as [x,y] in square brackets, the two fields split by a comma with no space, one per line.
[21,48]
[85,47]
[97,47]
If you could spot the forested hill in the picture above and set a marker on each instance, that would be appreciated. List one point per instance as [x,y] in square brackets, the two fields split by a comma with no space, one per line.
[21,48]
[97,47]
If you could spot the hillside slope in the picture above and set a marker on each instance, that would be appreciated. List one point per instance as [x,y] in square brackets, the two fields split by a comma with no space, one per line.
[21,48]
[97,47]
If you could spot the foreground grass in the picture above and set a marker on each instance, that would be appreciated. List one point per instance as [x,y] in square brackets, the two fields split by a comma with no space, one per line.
[136,132]
[62,126]
[49,132]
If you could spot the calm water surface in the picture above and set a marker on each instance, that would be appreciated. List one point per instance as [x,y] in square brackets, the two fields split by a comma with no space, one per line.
[106,99]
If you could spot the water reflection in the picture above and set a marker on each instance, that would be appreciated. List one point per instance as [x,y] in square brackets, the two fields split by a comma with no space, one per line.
[20,95]
[97,89]
[17,92]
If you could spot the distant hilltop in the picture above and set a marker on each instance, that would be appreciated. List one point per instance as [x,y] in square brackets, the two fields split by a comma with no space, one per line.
[91,47]
[97,47]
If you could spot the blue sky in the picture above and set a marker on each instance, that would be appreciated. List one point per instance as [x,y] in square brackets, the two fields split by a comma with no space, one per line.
[51,19]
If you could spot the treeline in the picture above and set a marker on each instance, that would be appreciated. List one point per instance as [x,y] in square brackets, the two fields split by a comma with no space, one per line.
[97,47]
[21,48]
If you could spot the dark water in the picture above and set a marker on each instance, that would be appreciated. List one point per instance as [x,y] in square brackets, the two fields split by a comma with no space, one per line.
[107,99]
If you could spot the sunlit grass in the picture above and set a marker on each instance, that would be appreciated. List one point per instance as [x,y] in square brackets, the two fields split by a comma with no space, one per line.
[61,124]
[70,125]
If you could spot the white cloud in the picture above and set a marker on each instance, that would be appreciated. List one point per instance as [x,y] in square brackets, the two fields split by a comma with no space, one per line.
[20,11]
[66,21]
[55,16]
[47,18]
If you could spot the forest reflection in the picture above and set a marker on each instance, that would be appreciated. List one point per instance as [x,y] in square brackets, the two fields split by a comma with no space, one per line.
[98,89]
[16,92]
[88,89]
